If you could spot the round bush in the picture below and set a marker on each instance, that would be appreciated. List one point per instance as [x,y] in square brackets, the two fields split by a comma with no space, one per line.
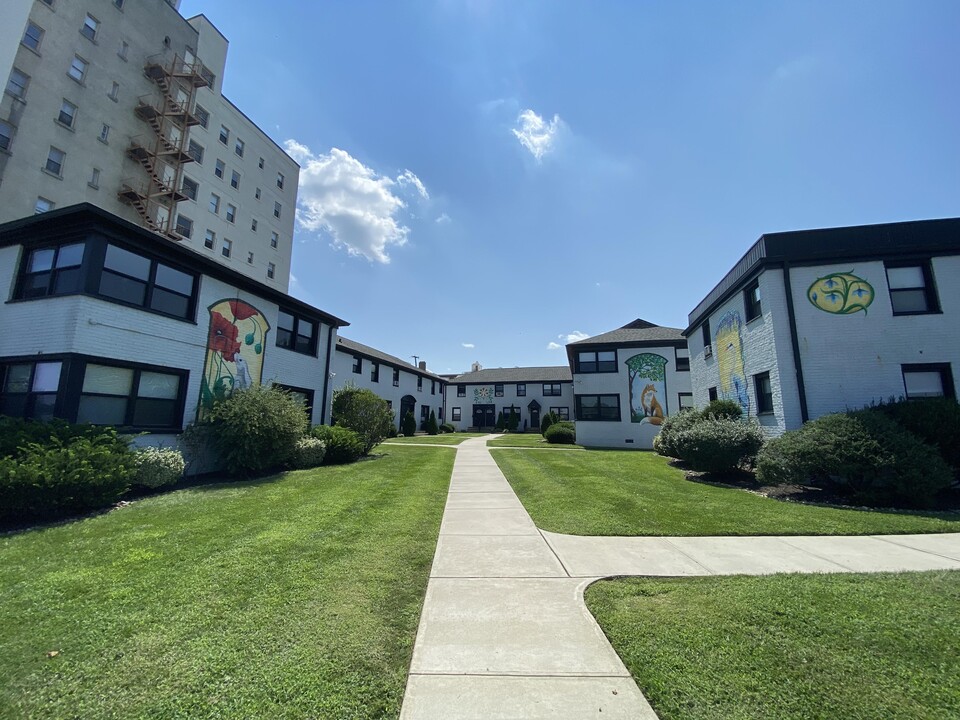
[308,453]
[561,433]
[718,444]
[365,413]
[156,467]
[723,409]
[665,443]
[343,445]
[409,425]
[447,428]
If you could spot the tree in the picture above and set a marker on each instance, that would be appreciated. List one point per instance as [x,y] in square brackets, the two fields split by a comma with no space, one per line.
[500,424]
[363,412]
[548,420]
[409,424]
[432,428]
[513,422]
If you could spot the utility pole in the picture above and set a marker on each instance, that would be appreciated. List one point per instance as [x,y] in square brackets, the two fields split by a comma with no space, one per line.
[415,358]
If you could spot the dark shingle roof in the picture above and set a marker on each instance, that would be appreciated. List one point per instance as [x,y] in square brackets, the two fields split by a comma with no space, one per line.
[635,332]
[347,345]
[560,373]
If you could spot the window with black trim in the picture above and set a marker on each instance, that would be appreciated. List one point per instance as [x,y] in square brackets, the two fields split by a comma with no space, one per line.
[521,390]
[455,414]
[596,361]
[419,382]
[461,390]
[304,395]
[683,363]
[424,413]
[764,391]
[374,372]
[751,300]
[498,390]
[912,291]
[712,394]
[297,333]
[29,389]
[598,407]
[928,380]
[138,280]
[685,401]
[562,412]
[357,366]
[131,396]
[433,387]
[52,271]
[705,333]
[551,389]
[396,377]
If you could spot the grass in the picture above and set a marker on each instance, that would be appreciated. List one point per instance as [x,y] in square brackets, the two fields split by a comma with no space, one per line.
[525,440]
[290,597]
[637,493]
[789,646]
[444,439]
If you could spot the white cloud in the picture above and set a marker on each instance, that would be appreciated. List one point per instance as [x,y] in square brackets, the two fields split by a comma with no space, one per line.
[536,135]
[443,219]
[469,346]
[567,338]
[351,202]
[554,346]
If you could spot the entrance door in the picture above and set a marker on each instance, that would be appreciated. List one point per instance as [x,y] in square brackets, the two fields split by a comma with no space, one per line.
[534,418]
[484,416]
[408,403]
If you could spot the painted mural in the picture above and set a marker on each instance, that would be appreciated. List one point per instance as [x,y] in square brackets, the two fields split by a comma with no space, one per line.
[729,350]
[482,396]
[841,294]
[235,342]
[648,388]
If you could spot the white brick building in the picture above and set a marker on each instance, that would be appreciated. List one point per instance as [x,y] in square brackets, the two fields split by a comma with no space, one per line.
[813,322]
[626,381]
[405,387]
[475,399]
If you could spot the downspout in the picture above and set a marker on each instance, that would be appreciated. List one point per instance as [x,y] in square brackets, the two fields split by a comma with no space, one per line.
[326,376]
[795,342]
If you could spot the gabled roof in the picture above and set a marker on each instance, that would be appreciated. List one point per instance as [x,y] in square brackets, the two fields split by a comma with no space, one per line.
[638,331]
[352,346]
[558,373]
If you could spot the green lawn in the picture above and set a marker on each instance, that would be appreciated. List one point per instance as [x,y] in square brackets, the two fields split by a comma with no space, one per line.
[637,493]
[789,646]
[444,439]
[291,597]
[525,440]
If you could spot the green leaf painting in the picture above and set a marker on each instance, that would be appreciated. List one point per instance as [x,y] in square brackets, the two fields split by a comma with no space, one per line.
[841,294]
[648,365]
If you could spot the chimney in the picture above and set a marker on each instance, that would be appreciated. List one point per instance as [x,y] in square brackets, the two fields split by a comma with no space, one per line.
[422,365]
[475,367]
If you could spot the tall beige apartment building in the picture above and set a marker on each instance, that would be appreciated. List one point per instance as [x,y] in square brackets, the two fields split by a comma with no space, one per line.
[119,103]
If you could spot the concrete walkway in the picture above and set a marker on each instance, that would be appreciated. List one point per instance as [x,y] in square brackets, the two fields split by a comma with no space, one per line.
[505,633]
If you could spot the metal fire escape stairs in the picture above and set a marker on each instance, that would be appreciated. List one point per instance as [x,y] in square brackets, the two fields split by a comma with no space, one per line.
[163,152]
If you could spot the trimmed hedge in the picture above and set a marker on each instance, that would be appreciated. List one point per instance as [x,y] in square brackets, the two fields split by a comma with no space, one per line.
[156,467]
[936,421]
[447,428]
[432,427]
[561,433]
[308,453]
[409,424]
[343,445]
[712,440]
[546,421]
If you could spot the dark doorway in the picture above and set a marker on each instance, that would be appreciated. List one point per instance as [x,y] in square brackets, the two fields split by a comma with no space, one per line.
[408,403]
[534,408]
[484,416]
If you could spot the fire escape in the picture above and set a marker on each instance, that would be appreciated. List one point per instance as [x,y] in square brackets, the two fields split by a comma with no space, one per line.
[162,153]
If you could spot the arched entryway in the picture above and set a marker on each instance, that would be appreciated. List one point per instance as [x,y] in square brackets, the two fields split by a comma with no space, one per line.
[408,403]
[534,409]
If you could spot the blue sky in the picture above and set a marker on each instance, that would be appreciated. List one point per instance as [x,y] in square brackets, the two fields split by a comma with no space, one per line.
[504,175]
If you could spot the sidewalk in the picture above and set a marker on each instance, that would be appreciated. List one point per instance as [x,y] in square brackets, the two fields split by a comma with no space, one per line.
[505,633]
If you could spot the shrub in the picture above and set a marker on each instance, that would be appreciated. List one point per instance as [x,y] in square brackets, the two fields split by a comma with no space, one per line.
[936,421]
[343,445]
[255,429]
[156,467]
[561,433]
[546,421]
[717,444]
[409,424]
[363,412]
[513,421]
[16,433]
[90,470]
[308,453]
[501,425]
[723,409]
[666,442]
[432,428]
[447,428]
[864,456]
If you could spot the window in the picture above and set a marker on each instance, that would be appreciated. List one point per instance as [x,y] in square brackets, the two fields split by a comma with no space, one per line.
[118,4]
[214,203]
[455,414]
[374,372]
[550,389]
[235,180]
[124,50]
[561,412]
[42,205]
[238,148]
[114,91]
[54,164]
[764,390]
[226,247]
[17,84]
[189,188]
[521,390]
[29,389]
[928,380]
[94,180]
[6,134]
[68,113]
[256,193]
[260,164]
[202,115]
[276,209]
[271,271]
[304,395]
[250,258]
[357,366]
[220,169]
[231,213]
[683,363]
[705,333]
[210,240]
[89,28]
[78,68]
[396,377]
[390,405]
[137,280]
[279,179]
[424,413]
[751,299]
[224,134]
[48,3]
[33,36]
[712,394]
[184,226]
[253,224]
[433,387]
[130,397]
[912,290]
[686,401]
[274,240]
[498,390]
[196,152]
[104,133]
[602,361]
[419,383]
[461,390]
[297,333]
[598,407]
[52,271]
